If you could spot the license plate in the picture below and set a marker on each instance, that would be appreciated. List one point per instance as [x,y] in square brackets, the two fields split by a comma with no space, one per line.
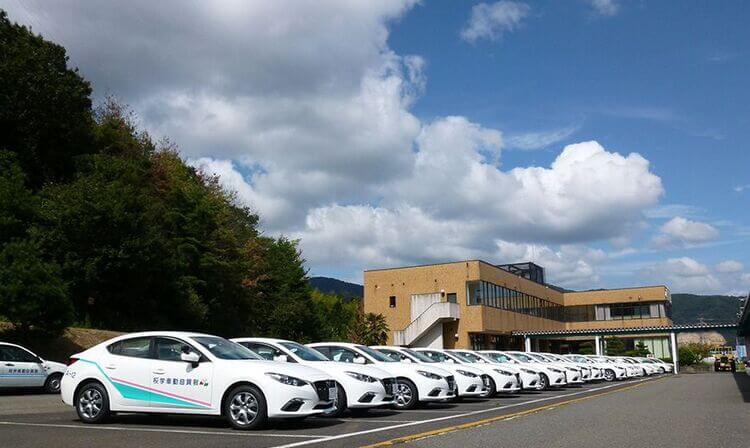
[332,393]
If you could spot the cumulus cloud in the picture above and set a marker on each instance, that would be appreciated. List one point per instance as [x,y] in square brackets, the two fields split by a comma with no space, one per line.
[605,8]
[729,266]
[681,231]
[491,21]
[685,274]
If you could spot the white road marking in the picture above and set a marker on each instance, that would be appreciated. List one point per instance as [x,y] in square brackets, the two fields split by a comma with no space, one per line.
[437,419]
[174,431]
[373,420]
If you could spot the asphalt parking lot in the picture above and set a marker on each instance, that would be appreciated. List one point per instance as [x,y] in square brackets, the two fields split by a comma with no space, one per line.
[33,420]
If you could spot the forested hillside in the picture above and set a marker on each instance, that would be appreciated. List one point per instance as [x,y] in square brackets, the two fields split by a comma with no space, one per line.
[691,308]
[339,287]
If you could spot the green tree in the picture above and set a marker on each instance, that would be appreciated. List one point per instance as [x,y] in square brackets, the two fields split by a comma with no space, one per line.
[369,329]
[285,307]
[615,346]
[32,293]
[45,109]
[688,357]
[18,205]
[586,348]
[336,315]
[641,349]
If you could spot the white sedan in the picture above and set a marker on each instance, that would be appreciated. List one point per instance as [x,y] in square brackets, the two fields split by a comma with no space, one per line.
[572,374]
[611,370]
[190,373]
[19,367]
[359,387]
[550,376]
[497,379]
[530,376]
[415,382]
[468,379]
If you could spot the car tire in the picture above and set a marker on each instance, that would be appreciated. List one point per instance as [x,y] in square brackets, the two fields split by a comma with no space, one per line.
[491,390]
[52,385]
[92,403]
[609,375]
[340,404]
[407,395]
[543,381]
[245,408]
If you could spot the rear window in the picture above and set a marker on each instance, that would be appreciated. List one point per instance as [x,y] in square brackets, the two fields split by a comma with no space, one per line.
[135,347]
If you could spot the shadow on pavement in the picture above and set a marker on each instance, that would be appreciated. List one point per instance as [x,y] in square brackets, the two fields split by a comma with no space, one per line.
[743,384]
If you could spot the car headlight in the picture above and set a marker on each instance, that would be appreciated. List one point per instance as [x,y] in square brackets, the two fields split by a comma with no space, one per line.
[555,370]
[503,372]
[362,377]
[465,373]
[530,372]
[288,380]
[429,375]
[572,369]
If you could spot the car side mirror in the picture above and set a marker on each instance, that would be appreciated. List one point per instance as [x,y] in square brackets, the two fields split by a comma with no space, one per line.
[450,361]
[406,360]
[360,360]
[281,358]
[191,357]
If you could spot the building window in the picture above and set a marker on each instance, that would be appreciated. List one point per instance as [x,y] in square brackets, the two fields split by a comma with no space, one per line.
[452,298]
[392,301]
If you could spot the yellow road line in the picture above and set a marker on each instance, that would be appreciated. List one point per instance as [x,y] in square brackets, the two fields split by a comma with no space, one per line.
[499,418]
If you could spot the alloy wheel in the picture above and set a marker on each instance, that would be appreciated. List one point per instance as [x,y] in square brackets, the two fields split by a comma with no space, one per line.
[90,403]
[609,375]
[404,395]
[243,408]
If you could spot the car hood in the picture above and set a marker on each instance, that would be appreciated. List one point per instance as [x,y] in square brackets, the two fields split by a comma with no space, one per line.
[296,370]
[333,367]
[452,367]
[401,369]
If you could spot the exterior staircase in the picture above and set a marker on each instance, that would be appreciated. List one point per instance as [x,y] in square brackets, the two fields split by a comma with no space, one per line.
[436,313]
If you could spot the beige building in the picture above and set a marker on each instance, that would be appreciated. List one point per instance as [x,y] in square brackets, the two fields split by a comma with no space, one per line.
[475,304]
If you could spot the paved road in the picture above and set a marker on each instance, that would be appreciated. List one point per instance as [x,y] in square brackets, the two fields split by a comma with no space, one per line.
[706,410]
[628,412]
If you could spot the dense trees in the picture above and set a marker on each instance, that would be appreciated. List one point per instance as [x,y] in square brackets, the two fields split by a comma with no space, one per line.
[101,226]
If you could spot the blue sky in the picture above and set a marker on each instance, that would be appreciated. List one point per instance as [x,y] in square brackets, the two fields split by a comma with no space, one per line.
[603,139]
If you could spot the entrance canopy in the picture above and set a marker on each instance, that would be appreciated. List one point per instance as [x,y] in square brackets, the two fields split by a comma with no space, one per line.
[625,330]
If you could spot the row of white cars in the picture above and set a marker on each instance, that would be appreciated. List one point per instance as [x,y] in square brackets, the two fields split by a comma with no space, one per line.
[251,380]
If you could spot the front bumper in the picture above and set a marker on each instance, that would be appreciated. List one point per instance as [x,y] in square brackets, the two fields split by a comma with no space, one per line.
[530,381]
[468,386]
[434,390]
[371,395]
[292,401]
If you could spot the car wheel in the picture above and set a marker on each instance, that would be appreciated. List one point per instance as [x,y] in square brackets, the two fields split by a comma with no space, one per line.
[52,385]
[245,408]
[406,396]
[340,404]
[92,403]
[543,381]
[490,390]
[609,375]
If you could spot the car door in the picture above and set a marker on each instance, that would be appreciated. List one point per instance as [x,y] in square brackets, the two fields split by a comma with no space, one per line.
[20,368]
[127,364]
[177,385]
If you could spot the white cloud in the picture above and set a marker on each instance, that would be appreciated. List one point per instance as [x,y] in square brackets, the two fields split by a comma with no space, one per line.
[741,188]
[671,210]
[729,266]
[315,132]
[491,21]
[606,8]
[540,139]
[680,231]
[684,274]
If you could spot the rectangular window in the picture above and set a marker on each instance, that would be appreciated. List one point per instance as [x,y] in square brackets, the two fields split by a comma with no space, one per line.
[452,298]
[392,301]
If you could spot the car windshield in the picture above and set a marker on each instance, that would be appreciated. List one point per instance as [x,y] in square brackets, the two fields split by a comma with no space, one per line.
[374,354]
[498,357]
[463,356]
[523,358]
[304,353]
[418,356]
[472,357]
[224,349]
[439,356]
[538,357]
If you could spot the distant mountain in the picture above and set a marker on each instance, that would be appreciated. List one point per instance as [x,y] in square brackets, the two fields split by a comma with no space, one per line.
[334,286]
[691,308]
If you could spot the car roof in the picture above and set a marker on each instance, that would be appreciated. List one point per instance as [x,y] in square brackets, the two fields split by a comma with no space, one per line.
[143,334]
[343,344]
[268,340]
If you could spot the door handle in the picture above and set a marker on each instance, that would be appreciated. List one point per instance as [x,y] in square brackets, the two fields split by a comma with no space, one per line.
[159,372]
[110,367]
[10,364]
